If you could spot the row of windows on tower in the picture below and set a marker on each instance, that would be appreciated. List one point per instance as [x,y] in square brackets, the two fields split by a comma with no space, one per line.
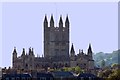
[52,22]
[58,44]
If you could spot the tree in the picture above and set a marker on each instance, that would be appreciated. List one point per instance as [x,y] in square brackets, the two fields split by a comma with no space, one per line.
[70,69]
[105,73]
[103,63]
[115,65]
[115,75]
[78,69]
[65,69]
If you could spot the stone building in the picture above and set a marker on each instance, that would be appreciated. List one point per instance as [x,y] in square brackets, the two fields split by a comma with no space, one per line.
[85,61]
[56,50]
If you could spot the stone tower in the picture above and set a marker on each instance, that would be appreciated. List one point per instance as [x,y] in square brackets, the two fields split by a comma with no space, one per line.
[56,39]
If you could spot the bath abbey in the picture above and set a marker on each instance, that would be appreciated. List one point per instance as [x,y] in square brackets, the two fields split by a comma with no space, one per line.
[56,50]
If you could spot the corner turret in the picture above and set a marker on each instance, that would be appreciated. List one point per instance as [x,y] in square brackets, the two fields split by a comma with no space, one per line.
[89,53]
[72,52]
[14,57]
[14,53]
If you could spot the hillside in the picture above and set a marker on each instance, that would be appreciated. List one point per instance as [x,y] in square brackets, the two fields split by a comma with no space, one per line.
[109,58]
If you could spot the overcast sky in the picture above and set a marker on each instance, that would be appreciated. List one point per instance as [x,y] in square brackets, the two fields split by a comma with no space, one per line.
[90,22]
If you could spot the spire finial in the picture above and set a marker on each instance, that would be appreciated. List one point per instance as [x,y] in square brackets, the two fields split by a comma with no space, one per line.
[45,14]
[14,51]
[89,45]
[60,21]
[14,47]
[61,15]
[52,17]
[52,14]
[51,21]
[67,15]
[72,49]
[67,20]
[45,20]
[89,48]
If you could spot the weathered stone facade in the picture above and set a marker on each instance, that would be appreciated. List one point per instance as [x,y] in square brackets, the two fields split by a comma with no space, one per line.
[85,61]
[56,51]
[56,40]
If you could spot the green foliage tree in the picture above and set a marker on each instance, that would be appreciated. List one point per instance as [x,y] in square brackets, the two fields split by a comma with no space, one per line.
[65,69]
[115,75]
[78,69]
[105,73]
[70,69]
[114,65]
[103,63]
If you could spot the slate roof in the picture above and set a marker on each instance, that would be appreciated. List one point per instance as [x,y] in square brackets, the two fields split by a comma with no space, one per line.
[86,75]
[16,75]
[63,74]
[47,75]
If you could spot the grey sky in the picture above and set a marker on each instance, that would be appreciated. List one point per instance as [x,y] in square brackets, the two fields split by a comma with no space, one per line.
[22,26]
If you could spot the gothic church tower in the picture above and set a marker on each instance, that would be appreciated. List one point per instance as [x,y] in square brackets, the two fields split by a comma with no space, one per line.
[56,39]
